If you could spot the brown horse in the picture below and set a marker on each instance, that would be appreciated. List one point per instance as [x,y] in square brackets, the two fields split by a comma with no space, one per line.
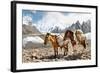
[54,42]
[69,35]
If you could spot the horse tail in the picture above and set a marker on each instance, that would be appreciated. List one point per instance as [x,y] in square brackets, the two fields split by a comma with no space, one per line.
[83,43]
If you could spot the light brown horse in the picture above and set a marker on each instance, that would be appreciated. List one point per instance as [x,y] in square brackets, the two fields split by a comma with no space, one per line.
[81,38]
[54,42]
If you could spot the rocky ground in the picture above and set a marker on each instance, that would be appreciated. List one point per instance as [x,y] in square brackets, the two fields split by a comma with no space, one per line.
[46,54]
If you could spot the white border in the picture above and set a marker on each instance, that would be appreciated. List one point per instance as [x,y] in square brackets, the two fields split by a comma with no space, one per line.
[21,65]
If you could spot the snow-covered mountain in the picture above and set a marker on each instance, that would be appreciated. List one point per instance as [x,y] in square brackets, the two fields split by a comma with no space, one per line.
[61,27]
[75,26]
[85,26]
[53,27]
[51,21]
[56,21]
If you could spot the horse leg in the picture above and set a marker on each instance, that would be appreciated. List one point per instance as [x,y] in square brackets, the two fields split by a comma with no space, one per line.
[85,44]
[55,52]
[65,51]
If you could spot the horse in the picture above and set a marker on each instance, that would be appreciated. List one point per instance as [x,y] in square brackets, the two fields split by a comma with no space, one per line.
[54,42]
[63,44]
[69,35]
[81,38]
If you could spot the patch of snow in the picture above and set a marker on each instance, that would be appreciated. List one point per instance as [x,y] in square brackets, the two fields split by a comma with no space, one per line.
[88,35]
[35,39]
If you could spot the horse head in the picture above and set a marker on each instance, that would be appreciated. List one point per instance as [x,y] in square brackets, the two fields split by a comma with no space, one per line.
[68,34]
[46,38]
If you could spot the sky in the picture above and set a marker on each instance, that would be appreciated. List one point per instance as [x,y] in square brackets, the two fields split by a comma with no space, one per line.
[34,15]
[46,17]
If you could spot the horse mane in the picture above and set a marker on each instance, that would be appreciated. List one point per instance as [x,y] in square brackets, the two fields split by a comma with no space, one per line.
[70,35]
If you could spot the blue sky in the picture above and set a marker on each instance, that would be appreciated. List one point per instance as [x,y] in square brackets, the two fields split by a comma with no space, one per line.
[35,15]
[43,17]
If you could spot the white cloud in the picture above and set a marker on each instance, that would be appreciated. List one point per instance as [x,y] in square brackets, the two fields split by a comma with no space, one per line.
[72,18]
[52,19]
[33,11]
[27,19]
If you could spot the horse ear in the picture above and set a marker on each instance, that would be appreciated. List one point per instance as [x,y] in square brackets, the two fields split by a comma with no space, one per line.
[48,33]
[55,35]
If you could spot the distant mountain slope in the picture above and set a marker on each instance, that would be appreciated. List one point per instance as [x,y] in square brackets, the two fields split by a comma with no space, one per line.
[86,26]
[56,28]
[32,37]
[29,29]
[75,26]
